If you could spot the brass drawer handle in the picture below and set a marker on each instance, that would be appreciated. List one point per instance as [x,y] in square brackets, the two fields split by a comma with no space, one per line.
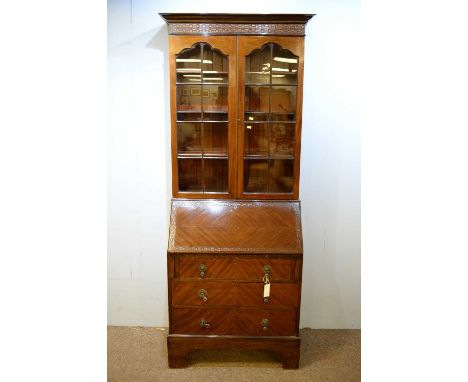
[204,323]
[203,294]
[265,323]
[202,269]
[266,269]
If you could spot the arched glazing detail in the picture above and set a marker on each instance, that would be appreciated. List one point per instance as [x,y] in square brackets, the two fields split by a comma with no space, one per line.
[202,119]
[270,119]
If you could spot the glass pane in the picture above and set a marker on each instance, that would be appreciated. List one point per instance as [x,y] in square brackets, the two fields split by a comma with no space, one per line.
[257,66]
[215,138]
[215,78]
[189,116]
[257,77]
[214,61]
[188,65]
[282,139]
[251,117]
[255,175]
[215,116]
[202,119]
[256,139]
[283,67]
[188,98]
[269,119]
[190,175]
[215,98]
[216,175]
[283,99]
[189,78]
[189,138]
[215,66]
[257,98]
[281,175]
[289,117]
[284,78]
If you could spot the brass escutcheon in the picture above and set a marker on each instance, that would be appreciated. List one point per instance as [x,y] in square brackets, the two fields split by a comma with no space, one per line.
[265,323]
[203,294]
[204,323]
[202,269]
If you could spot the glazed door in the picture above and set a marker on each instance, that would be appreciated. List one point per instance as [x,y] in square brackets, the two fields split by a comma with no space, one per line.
[203,91]
[270,76]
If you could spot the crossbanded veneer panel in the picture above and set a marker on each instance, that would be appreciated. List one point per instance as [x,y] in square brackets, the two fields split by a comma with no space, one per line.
[209,226]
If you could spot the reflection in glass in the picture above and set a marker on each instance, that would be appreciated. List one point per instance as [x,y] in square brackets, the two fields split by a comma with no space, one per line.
[257,66]
[215,138]
[215,66]
[283,67]
[283,99]
[214,61]
[257,99]
[188,98]
[188,65]
[269,119]
[281,175]
[282,139]
[256,139]
[215,98]
[188,78]
[255,175]
[216,175]
[215,78]
[252,117]
[190,175]
[202,119]
[189,138]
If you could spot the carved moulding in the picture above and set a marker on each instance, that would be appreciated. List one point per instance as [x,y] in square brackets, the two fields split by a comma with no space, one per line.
[249,29]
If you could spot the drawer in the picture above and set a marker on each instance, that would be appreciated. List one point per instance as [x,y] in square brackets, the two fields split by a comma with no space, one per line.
[256,322]
[216,293]
[235,268]
[282,295]
[188,321]
[243,322]
[229,293]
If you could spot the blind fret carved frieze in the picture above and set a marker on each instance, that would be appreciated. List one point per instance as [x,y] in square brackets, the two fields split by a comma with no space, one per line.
[244,29]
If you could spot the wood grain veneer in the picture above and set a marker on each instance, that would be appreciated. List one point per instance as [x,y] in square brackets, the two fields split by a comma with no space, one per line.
[243,322]
[236,267]
[226,293]
[235,227]
[224,245]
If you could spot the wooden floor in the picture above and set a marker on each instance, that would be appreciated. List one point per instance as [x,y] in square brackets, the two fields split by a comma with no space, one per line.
[137,354]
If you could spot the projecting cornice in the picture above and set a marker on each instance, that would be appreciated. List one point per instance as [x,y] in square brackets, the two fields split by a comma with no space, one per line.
[236,23]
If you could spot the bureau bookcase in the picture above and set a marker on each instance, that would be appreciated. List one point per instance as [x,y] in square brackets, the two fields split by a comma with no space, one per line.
[234,255]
